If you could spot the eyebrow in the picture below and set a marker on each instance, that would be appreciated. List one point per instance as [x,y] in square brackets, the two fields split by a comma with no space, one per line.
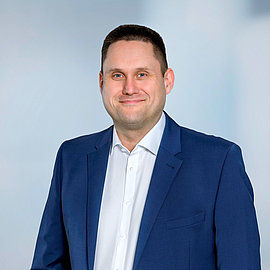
[122,71]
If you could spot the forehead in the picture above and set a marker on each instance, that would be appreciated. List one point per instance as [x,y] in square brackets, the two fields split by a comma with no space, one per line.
[136,45]
[130,53]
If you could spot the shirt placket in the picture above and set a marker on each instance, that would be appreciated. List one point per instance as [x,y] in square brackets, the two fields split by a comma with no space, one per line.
[127,206]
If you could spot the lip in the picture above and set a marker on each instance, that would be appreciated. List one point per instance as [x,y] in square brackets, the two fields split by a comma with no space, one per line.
[131,101]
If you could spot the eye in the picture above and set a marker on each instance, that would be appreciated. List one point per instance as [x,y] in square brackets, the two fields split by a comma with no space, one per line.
[117,76]
[142,75]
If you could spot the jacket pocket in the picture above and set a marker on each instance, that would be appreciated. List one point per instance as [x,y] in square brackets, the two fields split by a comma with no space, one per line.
[184,222]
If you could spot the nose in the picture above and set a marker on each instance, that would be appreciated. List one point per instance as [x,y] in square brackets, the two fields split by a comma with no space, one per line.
[130,87]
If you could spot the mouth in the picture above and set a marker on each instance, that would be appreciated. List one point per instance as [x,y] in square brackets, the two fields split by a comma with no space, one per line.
[130,101]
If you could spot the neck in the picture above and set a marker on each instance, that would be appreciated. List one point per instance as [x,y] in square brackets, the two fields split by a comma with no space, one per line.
[130,137]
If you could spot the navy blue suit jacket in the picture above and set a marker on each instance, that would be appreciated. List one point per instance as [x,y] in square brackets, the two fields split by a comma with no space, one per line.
[199,212]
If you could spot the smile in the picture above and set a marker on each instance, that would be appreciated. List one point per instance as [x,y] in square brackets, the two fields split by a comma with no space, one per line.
[131,101]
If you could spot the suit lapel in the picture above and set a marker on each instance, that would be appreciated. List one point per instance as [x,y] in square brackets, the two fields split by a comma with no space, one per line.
[96,171]
[165,169]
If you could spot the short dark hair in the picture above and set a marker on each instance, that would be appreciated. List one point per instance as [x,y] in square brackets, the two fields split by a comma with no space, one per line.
[130,32]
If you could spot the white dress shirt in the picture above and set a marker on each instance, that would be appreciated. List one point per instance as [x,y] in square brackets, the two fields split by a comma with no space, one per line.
[125,189]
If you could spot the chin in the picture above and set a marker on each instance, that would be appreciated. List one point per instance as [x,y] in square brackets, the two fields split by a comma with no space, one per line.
[131,122]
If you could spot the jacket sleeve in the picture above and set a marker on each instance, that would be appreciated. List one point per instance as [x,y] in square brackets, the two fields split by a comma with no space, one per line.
[52,248]
[236,230]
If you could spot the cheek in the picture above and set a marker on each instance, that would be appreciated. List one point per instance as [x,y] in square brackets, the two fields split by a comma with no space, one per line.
[158,91]
[148,87]
[112,88]
[110,95]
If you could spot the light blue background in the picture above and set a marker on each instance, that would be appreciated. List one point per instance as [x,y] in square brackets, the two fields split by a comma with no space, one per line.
[49,64]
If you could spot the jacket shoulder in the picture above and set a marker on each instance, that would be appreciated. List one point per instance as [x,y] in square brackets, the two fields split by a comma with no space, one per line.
[87,143]
[204,144]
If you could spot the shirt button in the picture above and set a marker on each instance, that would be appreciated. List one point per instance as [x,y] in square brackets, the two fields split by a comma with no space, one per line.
[127,202]
[122,236]
[131,169]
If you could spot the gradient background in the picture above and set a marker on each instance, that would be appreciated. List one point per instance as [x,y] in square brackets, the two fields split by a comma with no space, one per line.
[49,64]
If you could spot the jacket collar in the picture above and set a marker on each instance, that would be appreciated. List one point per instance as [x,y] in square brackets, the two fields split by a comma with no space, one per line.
[171,139]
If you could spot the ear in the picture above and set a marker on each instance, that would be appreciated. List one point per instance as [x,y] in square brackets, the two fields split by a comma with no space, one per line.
[100,79]
[168,80]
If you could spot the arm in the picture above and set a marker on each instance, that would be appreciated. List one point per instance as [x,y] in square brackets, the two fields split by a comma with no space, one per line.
[52,248]
[237,236]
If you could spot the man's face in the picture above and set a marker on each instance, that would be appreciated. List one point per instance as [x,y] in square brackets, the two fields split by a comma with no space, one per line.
[132,86]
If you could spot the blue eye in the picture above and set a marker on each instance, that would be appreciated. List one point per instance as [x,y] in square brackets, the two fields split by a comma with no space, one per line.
[140,75]
[117,76]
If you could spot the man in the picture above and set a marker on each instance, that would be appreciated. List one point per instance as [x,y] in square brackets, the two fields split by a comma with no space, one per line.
[146,193]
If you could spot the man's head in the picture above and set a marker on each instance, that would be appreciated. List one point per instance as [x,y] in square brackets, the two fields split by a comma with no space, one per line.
[132,32]
[134,79]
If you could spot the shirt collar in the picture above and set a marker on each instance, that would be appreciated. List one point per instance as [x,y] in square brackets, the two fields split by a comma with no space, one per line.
[150,141]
